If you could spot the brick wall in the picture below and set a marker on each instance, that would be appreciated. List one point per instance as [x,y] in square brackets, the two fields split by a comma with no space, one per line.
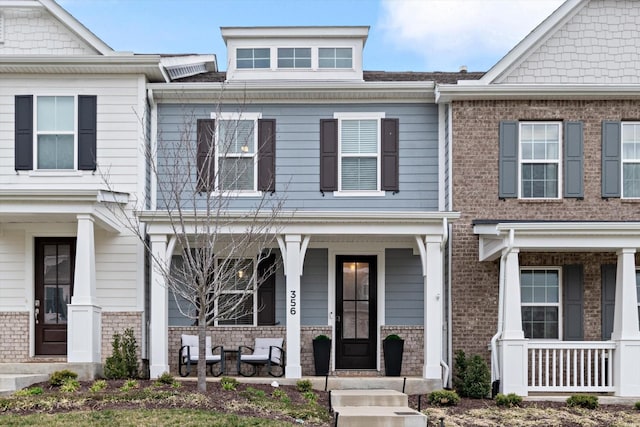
[117,322]
[475,183]
[14,340]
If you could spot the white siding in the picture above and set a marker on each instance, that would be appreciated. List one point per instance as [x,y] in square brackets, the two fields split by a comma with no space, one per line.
[12,271]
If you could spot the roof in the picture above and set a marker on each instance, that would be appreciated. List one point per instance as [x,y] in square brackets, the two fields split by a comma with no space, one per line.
[369,76]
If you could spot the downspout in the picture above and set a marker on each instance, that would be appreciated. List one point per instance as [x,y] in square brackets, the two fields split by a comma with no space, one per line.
[443,363]
[495,362]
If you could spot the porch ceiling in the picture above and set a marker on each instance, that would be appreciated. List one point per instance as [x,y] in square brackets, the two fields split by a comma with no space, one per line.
[560,236]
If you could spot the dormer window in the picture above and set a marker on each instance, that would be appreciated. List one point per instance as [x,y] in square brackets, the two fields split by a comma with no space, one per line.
[332,57]
[294,57]
[253,58]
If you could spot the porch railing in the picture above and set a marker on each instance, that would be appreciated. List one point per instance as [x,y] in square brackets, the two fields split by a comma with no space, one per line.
[567,366]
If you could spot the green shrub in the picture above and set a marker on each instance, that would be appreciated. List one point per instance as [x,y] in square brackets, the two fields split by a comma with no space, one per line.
[508,400]
[165,379]
[31,391]
[392,337]
[304,386]
[637,405]
[70,385]
[129,385]
[123,362]
[98,385]
[253,394]
[444,398]
[58,378]
[310,396]
[585,401]
[228,383]
[322,338]
[281,395]
[471,376]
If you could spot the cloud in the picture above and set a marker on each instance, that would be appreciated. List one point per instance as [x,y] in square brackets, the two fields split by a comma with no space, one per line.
[451,33]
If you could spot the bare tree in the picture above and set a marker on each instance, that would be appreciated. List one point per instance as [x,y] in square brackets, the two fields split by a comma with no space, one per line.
[201,171]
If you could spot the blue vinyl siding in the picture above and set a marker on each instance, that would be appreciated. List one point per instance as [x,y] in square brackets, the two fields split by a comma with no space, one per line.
[298,149]
[403,288]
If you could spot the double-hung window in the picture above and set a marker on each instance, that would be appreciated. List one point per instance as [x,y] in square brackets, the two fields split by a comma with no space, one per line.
[359,152]
[55,132]
[236,152]
[540,162]
[335,57]
[631,160]
[253,58]
[540,297]
[294,57]
[237,300]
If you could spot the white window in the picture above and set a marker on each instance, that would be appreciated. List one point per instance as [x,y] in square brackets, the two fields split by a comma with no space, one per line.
[294,57]
[237,300]
[335,57]
[359,149]
[540,160]
[540,297]
[236,152]
[253,58]
[631,160]
[55,132]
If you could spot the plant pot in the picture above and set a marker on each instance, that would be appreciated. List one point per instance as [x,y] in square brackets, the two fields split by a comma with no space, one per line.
[393,350]
[321,356]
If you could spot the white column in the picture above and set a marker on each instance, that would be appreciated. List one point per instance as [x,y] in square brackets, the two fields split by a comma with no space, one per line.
[626,375]
[85,328]
[513,347]
[433,285]
[159,328]
[292,303]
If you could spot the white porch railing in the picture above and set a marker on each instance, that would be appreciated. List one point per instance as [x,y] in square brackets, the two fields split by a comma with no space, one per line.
[566,366]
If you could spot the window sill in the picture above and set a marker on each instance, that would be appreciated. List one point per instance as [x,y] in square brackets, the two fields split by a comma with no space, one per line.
[541,200]
[359,193]
[55,172]
[237,194]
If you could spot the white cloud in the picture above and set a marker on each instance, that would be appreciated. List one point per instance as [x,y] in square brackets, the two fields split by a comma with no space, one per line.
[450,33]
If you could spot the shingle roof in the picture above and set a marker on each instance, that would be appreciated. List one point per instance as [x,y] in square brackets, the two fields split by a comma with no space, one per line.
[369,76]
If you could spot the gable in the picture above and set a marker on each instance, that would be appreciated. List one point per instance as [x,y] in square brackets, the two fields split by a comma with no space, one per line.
[595,42]
[35,31]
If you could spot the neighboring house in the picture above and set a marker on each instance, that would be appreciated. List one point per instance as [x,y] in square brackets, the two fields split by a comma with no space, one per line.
[359,159]
[74,117]
[546,177]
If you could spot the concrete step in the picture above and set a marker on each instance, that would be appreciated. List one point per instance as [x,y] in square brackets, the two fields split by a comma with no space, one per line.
[344,398]
[379,416]
[12,382]
[85,371]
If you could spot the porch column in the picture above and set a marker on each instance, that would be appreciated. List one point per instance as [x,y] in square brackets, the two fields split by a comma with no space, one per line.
[293,262]
[513,346]
[85,327]
[626,375]
[159,328]
[433,308]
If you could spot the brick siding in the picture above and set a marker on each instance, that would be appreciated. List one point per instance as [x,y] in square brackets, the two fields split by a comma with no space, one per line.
[117,322]
[14,339]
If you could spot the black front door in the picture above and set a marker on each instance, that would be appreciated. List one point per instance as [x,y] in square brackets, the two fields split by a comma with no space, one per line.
[356,310]
[54,262]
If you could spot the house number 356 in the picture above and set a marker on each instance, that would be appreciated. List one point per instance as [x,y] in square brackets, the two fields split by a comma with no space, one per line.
[292,303]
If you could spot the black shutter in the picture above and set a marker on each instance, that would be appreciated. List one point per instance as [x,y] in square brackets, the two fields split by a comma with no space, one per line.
[611,159]
[267,155]
[87,123]
[205,155]
[390,158]
[508,163]
[608,299]
[267,292]
[573,284]
[573,160]
[328,154]
[23,144]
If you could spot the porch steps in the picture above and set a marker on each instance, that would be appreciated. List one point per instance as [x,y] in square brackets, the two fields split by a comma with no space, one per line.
[374,408]
[12,382]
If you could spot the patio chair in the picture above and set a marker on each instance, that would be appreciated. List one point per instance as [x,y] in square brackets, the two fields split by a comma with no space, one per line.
[266,351]
[188,355]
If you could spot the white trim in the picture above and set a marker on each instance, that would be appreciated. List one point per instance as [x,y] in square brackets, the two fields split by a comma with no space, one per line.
[37,132]
[361,193]
[55,172]
[441,156]
[547,304]
[558,161]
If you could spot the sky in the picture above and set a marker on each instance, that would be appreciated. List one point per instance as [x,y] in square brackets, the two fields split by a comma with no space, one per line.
[404,35]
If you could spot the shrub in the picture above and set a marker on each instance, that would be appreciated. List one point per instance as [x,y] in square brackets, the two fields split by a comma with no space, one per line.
[472,377]
[252,394]
[508,400]
[392,337]
[585,401]
[637,405]
[98,385]
[31,391]
[123,362]
[444,398]
[322,338]
[70,385]
[129,385]
[58,378]
[304,386]
[228,383]
[281,395]
[310,396]
[165,379]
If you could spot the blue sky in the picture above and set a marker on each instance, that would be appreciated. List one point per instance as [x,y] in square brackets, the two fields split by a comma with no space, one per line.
[405,35]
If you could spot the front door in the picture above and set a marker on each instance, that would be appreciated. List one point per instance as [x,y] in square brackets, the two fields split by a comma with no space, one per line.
[54,265]
[356,311]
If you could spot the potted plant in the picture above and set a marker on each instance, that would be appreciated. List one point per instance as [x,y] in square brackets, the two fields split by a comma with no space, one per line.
[393,347]
[321,354]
